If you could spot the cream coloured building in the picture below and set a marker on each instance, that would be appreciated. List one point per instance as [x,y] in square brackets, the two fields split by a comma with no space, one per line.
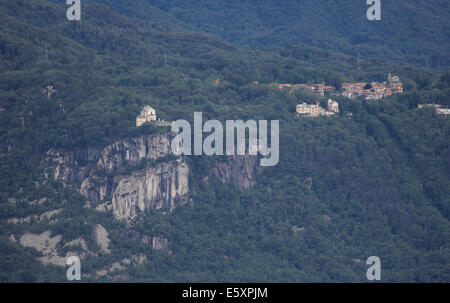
[312,110]
[148,114]
[443,112]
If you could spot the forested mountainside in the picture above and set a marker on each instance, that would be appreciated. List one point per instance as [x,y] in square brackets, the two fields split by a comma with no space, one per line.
[372,180]
[416,31]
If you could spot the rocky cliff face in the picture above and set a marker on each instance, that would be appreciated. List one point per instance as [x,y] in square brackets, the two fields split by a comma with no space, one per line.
[116,177]
[239,170]
[73,166]
[111,174]
[132,151]
[159,187]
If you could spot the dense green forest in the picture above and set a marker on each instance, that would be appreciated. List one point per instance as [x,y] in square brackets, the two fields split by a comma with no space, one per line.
[409,31]
[372,183]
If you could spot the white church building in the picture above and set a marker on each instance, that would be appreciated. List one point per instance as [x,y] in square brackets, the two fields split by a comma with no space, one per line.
[148,114]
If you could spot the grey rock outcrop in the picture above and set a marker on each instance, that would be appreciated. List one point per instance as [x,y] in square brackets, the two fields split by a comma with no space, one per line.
[134,175]
[12,238]
[159,187]
[47,245]
[132,151]
[104,207]
[75,166]
[35,218]
[78,242]
[102,238]
[104,175]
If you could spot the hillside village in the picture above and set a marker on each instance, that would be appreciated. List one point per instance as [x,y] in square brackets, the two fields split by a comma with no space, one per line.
[370,91]
[367,90]
[373,90]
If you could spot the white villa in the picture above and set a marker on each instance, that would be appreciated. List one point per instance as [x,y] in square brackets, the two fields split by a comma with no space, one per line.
[148,114]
